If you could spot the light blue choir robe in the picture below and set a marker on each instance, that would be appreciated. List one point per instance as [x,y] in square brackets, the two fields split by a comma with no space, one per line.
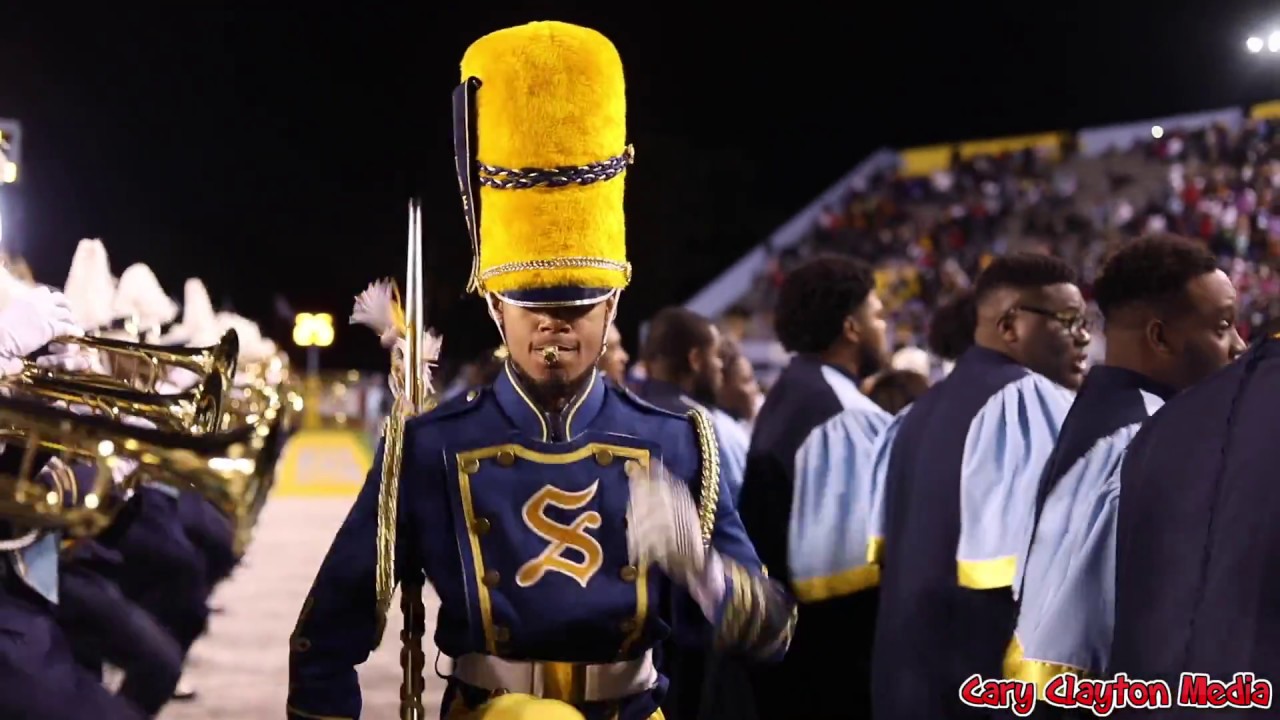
[829,546]
[1067,581]
[808,393]
[960,478]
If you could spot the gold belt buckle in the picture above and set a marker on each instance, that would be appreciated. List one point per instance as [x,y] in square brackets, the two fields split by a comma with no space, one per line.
[563,681]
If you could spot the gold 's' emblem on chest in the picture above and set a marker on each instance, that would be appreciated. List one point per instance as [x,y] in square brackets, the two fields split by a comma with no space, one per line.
[562,538]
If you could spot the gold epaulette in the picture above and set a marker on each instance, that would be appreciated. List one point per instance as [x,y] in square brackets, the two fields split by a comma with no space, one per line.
[709,494]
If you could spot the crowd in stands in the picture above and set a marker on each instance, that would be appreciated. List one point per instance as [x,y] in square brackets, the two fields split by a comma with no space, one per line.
[927,236]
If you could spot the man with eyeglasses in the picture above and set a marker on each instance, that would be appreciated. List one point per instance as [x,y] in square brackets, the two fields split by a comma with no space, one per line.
[1170,322]
[954,483]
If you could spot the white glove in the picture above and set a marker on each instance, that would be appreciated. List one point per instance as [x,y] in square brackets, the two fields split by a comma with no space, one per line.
[136,421]
[69,357]
[32,319]
[663,528]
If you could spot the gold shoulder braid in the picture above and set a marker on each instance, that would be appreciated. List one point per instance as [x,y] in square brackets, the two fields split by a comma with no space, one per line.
[709,495]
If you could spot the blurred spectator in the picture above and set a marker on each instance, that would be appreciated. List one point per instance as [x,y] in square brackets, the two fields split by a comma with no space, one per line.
[740,394]
[613,364]
[893,390]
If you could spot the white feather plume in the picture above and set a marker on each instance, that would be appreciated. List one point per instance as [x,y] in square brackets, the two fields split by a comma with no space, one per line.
[430,344]
[377,309]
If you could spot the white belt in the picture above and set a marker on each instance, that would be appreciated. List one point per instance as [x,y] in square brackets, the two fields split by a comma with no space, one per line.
[570,682]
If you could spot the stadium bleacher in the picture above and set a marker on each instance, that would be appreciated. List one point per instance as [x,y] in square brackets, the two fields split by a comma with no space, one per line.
[930,217]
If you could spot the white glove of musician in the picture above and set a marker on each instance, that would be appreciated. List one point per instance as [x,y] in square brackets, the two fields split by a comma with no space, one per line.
[70,357]
[33,318]
[663,528]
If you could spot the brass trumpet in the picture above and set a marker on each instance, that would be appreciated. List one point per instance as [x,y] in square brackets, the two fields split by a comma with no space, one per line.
[151,360]
[197,410]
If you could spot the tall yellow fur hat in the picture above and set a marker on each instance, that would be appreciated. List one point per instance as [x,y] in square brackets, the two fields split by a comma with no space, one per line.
[540,143]
[515,706]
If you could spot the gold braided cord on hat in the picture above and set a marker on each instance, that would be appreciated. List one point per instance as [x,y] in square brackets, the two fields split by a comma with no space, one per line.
[525,178]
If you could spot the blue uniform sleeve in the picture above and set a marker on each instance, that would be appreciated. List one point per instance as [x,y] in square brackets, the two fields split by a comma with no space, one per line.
[756,616]
[338,626]
[1005,451]
[1068,611]
[829,547]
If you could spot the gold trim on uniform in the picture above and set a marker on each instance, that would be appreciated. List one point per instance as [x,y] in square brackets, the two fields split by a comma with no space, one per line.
[709,493]
[469,463]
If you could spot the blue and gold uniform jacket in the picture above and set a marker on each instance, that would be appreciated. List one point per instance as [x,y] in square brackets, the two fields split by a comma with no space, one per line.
[517,519]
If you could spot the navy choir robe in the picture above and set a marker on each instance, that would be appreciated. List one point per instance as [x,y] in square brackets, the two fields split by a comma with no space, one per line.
[959,503]
[806,395]
[1197,587]
[1067,598]
[494,492]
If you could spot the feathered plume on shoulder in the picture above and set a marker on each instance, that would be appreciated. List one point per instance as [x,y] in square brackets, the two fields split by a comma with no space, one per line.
[379,308]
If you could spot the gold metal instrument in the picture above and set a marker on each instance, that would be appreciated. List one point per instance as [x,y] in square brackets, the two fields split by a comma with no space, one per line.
[148,363]
[197,410]
[220,467]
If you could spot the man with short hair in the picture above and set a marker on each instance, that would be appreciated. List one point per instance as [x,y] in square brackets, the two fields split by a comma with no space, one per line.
[829,315]
[957,474]
[1169,315]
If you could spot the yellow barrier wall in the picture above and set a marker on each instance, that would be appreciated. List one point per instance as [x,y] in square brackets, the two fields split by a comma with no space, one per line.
[1265,111]
[323,463]
[927,160]
[1050,142]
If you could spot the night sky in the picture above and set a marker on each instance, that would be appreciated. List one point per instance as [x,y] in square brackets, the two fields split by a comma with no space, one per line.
[271,151]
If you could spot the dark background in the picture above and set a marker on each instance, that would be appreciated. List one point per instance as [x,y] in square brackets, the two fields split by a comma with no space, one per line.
[269,147]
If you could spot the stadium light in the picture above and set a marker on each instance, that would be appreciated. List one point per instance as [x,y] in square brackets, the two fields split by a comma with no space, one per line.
[1258,44]
[313,331]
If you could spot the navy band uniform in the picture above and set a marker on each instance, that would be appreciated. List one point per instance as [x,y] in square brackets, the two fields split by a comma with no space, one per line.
[515,515]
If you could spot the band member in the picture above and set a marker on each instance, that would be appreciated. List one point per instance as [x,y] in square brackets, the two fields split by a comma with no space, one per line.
[1195,580]
[163,570]
[829,314]
[1170,322]
[613,364]
[40,678]
[959,485]
[103,625]
[554,516]
[682,353]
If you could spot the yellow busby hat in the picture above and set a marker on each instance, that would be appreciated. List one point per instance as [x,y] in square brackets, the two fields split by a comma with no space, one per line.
[515,706]
[541,151]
